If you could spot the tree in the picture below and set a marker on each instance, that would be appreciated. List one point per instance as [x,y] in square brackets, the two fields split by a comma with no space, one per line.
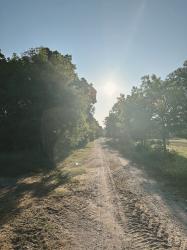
[44,105]
[155,109]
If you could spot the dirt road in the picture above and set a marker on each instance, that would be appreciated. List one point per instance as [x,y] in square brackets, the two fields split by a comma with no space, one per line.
[106,204]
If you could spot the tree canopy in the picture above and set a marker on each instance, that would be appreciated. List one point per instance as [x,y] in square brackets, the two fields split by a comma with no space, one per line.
[155,109]
[44,104]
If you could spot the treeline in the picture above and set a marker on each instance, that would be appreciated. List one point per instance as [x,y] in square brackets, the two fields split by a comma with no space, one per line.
[44,105]
[157,109]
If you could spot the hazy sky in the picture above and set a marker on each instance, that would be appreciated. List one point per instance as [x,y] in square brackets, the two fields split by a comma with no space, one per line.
[113,42]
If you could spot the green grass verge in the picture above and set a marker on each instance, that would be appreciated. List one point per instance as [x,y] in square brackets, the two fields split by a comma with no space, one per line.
[170,167]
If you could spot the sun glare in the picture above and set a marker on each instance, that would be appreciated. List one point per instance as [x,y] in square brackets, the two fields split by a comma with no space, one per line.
[110,89]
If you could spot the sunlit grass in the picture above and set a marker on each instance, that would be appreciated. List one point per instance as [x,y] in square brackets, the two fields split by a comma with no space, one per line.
[77,157]
[71,169]
[179,146]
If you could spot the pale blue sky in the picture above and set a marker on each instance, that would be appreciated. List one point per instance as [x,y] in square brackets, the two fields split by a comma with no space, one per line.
[113,42]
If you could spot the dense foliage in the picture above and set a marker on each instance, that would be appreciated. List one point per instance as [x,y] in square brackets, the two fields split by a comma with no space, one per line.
[156,109]
[44,106]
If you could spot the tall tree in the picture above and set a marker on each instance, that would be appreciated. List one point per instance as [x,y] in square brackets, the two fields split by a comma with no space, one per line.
[43,103]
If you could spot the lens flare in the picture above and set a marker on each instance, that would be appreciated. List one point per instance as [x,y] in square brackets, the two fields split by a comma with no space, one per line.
[110,89]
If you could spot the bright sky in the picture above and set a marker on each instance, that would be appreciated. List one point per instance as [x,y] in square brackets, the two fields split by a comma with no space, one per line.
[113,42]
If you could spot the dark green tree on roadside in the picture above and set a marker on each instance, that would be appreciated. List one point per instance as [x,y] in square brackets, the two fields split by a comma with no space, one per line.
[44,105]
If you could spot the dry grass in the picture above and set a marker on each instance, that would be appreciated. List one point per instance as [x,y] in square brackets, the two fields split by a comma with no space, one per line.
[179,145]
[41,200]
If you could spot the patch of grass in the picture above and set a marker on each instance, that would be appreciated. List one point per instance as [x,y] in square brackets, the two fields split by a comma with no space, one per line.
[179,146]
[77,157]
[71,167]
[60,191]
[58,177]
[76,171]
[14,164]
[56,182]
[169,167]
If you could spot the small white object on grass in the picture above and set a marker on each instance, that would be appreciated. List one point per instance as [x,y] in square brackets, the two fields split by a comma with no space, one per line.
[76,163]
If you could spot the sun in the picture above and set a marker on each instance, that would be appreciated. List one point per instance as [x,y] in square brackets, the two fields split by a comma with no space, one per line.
[110,89]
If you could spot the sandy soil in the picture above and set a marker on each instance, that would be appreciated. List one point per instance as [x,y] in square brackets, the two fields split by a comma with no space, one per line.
[108,204]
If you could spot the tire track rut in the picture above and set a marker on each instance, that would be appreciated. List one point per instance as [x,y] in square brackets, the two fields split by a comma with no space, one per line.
[145,228]
[107,207]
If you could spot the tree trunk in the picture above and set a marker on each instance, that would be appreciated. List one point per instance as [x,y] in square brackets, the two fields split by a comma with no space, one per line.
[164,135]
[164,143]
[142,142]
